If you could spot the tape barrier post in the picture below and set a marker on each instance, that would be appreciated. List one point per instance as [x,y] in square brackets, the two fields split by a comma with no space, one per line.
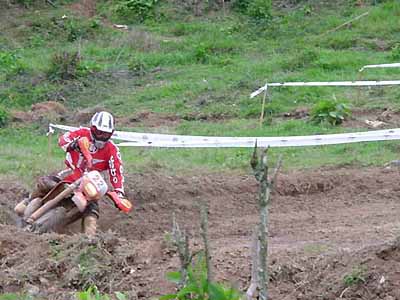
[263,105]
[49,142]
[135,139]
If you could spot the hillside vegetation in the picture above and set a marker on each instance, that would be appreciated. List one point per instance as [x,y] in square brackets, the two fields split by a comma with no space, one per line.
[189,68]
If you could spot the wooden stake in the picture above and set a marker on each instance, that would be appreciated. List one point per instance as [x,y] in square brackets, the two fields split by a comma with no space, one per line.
[49,145]
[263,108]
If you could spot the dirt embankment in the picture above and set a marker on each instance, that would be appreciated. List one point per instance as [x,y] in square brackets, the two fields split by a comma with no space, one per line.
[329,234]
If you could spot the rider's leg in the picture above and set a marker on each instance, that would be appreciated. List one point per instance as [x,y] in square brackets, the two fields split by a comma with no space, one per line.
[89,221]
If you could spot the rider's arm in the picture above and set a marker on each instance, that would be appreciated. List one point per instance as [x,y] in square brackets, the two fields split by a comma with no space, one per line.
[116,170]
[67,141]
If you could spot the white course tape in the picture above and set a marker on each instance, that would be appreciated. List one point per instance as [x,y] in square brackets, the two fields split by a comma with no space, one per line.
[134,139]
[394,65]
[332,83]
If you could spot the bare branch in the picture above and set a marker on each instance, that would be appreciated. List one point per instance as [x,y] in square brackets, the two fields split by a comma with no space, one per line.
[204,235]
[181,242]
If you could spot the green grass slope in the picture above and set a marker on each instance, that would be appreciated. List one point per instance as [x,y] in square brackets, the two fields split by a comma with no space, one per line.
[197,64]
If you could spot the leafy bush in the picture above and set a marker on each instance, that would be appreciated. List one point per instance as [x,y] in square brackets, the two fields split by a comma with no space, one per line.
[260,10]
[137,10]
[332,112]
[198,287]
[4,117]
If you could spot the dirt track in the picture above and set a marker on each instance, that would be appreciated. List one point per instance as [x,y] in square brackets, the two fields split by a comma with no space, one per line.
[325,224]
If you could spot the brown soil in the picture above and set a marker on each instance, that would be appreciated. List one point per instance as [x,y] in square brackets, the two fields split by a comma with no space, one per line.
[86,8]
[329,237]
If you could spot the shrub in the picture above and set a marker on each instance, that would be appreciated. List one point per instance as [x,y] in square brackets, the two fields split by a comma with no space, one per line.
[4,117]
[64,66]
[241,5]
[332,112]
[258,10]
[68,66]
[137,10]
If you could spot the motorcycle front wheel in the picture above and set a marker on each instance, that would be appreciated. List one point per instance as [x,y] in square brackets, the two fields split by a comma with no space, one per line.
[52,221]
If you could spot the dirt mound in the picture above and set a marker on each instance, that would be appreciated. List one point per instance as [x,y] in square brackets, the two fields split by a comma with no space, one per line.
[45,112]
[54,266]
[328,230]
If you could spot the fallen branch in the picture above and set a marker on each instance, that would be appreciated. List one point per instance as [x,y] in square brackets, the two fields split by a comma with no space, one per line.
[346,23]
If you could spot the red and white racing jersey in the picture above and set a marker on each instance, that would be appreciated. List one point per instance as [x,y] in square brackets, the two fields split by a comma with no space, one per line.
[106,158]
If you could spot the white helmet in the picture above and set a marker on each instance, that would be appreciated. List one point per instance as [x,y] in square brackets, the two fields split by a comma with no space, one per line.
[102,126]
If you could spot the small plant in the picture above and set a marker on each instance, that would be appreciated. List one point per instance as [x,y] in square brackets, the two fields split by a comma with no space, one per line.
[12,296]
[354,278]
[138,66]
[332,112]
[198,287]
[395,51]
[10,63]
[92,293]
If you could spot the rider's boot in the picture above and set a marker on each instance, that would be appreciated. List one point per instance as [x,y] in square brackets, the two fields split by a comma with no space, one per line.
[89,225]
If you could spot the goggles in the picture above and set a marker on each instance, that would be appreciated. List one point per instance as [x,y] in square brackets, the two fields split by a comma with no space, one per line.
[100,135]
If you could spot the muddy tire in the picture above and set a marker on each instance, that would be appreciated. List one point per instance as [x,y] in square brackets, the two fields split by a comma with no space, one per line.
[32,207]
[51,221]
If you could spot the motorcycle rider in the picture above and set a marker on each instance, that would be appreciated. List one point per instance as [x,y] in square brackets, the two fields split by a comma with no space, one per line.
[106,156]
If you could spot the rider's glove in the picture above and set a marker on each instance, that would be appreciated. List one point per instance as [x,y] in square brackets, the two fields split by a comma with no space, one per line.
[121,194]
[74,146]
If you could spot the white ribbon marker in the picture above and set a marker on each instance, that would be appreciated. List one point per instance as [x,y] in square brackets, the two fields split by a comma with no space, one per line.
[332,83]
[394,65]
[135,139]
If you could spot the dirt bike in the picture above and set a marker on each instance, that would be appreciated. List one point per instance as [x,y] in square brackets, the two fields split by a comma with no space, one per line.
[66,202]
